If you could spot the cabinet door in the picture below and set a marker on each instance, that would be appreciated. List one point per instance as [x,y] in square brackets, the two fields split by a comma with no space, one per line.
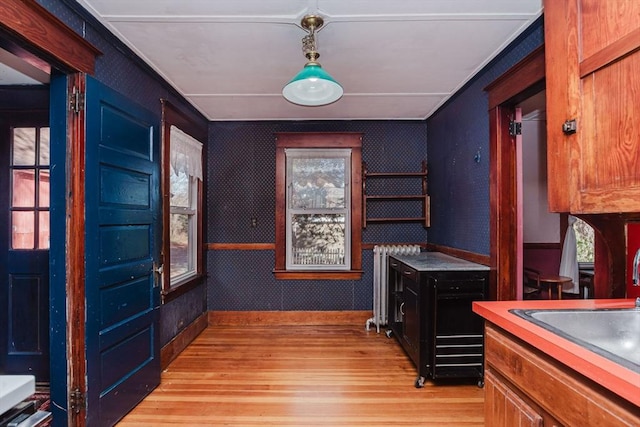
[504,408]
[592,69]
[395,304]
[412,316]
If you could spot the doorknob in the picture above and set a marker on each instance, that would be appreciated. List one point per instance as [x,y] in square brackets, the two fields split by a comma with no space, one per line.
[158,269]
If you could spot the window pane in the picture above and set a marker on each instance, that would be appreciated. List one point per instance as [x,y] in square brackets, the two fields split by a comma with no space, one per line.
[179,244]
[23,188]
[44,147]
[43,187]
[317,239]
[24,147]
[22,230]
[179,189]
[317,183]
[585,241]
[43,230]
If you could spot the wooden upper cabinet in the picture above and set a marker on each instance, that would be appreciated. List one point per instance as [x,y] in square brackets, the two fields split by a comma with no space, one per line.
[593,77]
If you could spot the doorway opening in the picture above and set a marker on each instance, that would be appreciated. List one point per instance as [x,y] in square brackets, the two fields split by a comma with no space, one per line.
[24,210]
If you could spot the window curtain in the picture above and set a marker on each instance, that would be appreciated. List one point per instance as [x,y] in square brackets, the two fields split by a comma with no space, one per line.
[186,153]
[569,259]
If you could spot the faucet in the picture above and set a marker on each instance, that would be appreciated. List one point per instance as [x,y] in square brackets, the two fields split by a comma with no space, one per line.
[636,263]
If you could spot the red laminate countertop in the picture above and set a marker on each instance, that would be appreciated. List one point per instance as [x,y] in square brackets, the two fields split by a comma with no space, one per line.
[617,378]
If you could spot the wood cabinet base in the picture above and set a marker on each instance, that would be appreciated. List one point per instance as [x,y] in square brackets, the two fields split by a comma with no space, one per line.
[526,387]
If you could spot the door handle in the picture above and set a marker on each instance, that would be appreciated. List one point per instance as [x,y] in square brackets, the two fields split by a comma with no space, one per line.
[159,270]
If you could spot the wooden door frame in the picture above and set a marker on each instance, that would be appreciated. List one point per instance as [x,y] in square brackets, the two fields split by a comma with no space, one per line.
[516,84]
[521,81]
[34,34]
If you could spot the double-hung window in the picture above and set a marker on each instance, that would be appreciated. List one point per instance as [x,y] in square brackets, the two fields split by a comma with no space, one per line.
[185,172]
[182,202]
[318,216]
[318,206]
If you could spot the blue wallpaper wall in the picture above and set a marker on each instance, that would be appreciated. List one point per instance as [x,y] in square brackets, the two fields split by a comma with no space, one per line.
[457,132]
[240,181]
[241,186]
[121,70]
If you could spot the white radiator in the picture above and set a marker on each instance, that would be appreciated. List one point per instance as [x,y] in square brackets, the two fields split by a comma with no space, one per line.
[381,280]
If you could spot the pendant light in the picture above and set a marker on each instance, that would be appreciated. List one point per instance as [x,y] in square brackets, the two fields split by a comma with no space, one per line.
[312,86]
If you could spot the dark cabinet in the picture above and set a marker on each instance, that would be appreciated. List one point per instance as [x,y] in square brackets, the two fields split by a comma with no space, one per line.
[411,327]
[404,307]
[431,317]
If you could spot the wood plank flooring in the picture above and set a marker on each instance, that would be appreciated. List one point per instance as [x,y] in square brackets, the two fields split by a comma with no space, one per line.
[301,376]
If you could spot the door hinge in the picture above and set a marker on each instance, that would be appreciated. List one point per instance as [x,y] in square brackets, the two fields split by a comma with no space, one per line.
[76,100]
[76,400]
[515,128]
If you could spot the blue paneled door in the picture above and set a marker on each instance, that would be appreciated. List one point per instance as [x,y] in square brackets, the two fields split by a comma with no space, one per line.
[24,244]
[122,231]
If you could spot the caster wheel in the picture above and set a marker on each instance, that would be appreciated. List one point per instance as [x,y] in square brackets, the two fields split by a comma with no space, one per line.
[419,382]
[481,383]
[389,333]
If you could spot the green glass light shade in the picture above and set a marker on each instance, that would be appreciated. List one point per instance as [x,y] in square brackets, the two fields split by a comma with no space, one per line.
[313,87]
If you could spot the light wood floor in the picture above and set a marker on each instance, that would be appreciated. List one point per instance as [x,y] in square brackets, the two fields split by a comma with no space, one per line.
[301,376]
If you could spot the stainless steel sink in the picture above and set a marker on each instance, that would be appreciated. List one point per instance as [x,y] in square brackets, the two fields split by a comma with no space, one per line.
[612,333]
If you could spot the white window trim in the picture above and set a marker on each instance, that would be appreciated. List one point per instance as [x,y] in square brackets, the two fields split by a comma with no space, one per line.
[186,157]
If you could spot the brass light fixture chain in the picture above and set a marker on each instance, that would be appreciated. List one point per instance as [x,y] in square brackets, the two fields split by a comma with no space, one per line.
[311,23]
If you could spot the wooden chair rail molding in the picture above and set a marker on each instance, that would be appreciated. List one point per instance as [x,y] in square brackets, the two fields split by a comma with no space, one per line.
[460,253]
[271,246]
[240,246]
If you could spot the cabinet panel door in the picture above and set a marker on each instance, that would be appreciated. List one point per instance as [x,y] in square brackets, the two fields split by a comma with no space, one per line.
[592,67]
[395,306]
[504,408]
[412,319]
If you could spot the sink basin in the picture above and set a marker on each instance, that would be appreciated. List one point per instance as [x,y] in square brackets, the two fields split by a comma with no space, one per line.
[14,389]
[611,333]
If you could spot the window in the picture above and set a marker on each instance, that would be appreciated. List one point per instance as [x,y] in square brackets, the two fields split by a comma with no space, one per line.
[585,240]
[184,173]
[182,201]
[318,206]
[318,217]
[30,188]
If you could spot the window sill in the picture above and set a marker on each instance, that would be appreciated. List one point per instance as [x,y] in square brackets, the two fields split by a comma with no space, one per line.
[318,275]
[181,289]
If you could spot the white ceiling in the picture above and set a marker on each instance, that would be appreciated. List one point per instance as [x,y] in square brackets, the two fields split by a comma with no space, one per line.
[396,59]
[17,71]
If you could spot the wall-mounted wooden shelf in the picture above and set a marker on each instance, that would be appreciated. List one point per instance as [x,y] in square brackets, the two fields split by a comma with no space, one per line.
[425,219]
